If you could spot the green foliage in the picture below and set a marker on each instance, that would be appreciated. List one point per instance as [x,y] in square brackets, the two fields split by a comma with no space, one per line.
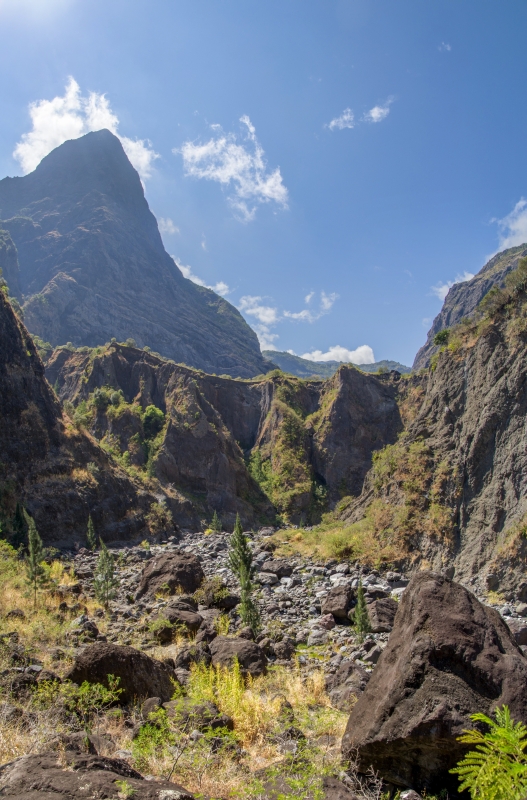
[211,591]
[153,421]
[37,577]
[441,337]
[105,580]
[497,768]
[125,789]
[361,619]
[215,525]
[240,562]
[153,740]
[90,535]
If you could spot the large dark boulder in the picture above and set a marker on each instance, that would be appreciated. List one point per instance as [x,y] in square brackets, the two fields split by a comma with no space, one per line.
[338,602]
[382,614]
[224,650]
[346,684]
[448,657]
[173,570]
[140,676]
[41,777]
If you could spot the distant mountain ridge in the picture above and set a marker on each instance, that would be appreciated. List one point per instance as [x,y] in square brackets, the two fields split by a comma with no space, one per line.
[92,265]
[303,368]
[463,298]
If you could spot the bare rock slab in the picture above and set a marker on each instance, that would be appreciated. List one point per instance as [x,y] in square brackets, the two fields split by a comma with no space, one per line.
[448,657]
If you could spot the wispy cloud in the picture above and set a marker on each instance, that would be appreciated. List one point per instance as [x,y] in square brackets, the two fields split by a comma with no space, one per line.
[308,298]
[444,47]
[267,316]
[362,355]
[441,289]
[237,165]
[346,120]
[73,115]
[513,227]
[220,288]
[378,113]
[166,225]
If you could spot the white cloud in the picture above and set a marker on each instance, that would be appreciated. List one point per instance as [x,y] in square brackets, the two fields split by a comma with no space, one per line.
[220,288]
[444,47]
[241,167]
[327,300]
[378,113]
[513,227]
[267,315]
[166,225]
[346,120]
[362,355]
[308,298]
[441,289]
[70,116]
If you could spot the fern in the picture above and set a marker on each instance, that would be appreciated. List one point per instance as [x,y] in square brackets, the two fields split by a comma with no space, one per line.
[497,768]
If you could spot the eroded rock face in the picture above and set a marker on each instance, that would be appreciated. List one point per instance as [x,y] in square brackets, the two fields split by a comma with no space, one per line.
[140,676]
[44,460]
[448,657]
[170,572]
[462,298]
[41,777]
[250,656]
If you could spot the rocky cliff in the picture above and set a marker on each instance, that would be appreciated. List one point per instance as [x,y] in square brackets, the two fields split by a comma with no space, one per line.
[258,447]
[58,473]
[93,266]
[453,490]
[463,298]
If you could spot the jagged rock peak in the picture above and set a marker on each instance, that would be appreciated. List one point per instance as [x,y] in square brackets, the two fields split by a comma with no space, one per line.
[93,265]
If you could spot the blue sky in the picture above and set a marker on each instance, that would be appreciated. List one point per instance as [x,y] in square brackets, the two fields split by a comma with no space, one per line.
[330,165]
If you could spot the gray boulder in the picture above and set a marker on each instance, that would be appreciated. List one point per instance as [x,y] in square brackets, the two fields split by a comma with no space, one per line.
[224,650]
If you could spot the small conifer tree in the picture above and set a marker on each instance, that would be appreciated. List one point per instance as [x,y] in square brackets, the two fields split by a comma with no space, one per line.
[90,535]
[35,571]
[361,616]
[18,527]
[105,581]
[241,563]
[215,525]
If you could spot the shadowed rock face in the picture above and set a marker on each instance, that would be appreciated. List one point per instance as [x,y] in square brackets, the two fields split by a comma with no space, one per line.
[463,298]
[43,461]
[93,266]
[448,657]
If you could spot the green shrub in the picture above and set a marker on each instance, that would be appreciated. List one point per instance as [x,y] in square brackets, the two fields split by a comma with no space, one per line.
[153,421]
[497,768]
[441,337]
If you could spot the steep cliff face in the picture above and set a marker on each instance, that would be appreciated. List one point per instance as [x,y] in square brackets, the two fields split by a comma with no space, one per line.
[9,262]
[93,266]
[59,474]
[463,298]
[454,489]
[248,447]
